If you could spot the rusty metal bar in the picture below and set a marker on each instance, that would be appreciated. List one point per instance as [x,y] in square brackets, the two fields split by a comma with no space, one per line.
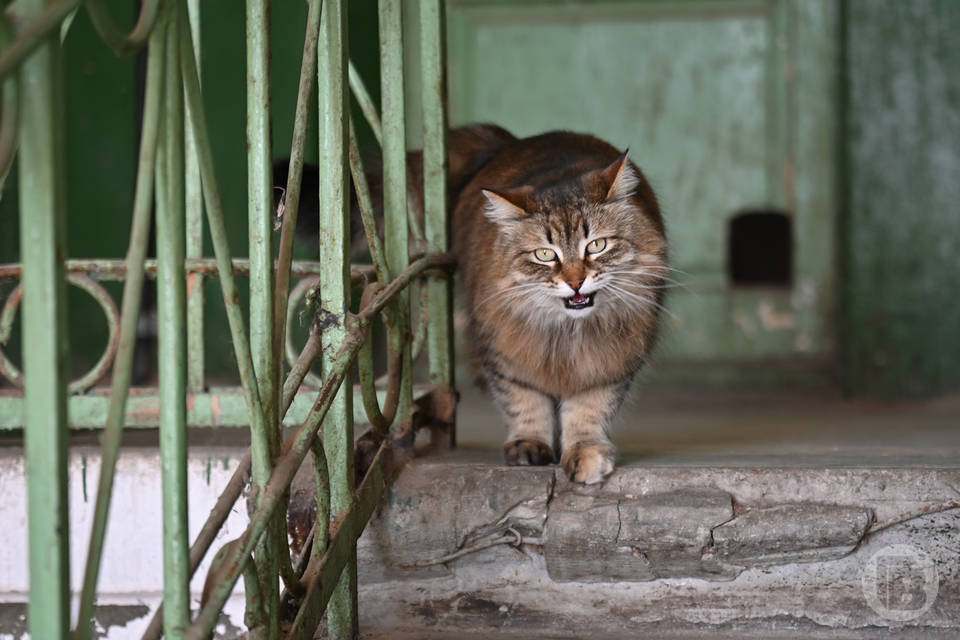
[107,28]
[379,420]
[123,364]
[365,201]
[45,349]
[112,270]
[291,198]
[296,445]
[40,25]
[322,572]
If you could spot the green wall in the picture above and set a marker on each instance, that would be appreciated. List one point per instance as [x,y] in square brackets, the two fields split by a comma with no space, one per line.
[901,280]
[102,123]
[899,152]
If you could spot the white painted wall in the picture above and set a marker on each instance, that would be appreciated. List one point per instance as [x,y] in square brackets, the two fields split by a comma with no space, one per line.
[132,568]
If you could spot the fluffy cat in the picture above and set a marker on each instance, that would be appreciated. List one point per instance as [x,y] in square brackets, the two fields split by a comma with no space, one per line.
[562,254]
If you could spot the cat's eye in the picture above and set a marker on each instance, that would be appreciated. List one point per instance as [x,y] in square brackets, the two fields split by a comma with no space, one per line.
[596,246]
[545,255]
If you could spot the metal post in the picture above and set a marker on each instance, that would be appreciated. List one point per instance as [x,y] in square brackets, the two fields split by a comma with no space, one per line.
[335,293]
[440,329]
[171,344]
[132,292]
[394,146]
[45,349]
[194,204]
[259,213]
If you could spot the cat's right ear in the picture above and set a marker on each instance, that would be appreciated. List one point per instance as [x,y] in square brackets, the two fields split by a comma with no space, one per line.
[509,206]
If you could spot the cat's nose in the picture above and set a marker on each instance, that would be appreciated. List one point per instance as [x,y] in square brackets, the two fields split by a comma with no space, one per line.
[575,285]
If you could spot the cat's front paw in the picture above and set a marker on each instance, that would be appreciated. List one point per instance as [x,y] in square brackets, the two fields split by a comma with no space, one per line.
[526,452]
[588,463]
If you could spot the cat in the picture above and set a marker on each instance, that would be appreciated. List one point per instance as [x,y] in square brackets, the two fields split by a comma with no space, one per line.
[562,254]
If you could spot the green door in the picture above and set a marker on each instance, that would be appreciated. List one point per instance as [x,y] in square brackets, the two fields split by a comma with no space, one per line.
[728,107]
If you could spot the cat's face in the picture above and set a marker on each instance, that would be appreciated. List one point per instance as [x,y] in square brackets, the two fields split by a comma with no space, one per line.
[579,250]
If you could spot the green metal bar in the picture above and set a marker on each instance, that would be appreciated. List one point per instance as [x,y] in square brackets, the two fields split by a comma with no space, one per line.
[374,244]
[45,348]
[321,474]
[194,204]
[171,342]
[10,117]
[260,221]
[322,572]
[395,208]
[120,42]
[40,25]
[333,105]
[218,233]
[370,114]
[297,445]
[301,122]
[116,270]
[132,292]
[438,309]
[363,99]
[260,217]
[220,408]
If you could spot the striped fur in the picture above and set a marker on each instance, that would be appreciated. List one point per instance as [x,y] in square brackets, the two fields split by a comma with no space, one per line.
[558,375]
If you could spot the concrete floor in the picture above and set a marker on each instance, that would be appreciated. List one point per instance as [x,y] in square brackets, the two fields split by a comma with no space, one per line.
[809,428]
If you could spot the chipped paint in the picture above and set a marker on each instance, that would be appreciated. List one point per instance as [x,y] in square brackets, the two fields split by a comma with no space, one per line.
[215,410]
[132,570]
[773,320]
[193,280]
[745,322]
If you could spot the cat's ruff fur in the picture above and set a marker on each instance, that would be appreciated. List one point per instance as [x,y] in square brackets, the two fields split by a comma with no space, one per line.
[558,375]
[558,372]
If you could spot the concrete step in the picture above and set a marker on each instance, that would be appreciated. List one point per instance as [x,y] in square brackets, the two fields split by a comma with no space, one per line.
[775,550]
[745,546]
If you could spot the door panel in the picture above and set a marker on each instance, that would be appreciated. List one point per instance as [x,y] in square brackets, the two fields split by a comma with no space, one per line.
[705,95]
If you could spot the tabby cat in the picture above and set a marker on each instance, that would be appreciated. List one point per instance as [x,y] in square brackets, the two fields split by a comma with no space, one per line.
[563,257]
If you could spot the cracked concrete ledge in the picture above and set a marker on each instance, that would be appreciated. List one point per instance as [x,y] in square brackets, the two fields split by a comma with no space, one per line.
[765,551]
[695,551]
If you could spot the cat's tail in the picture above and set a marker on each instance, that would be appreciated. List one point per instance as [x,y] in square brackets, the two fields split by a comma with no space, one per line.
[469,149]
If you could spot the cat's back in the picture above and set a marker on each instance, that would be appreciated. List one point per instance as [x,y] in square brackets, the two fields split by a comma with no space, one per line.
[543,161]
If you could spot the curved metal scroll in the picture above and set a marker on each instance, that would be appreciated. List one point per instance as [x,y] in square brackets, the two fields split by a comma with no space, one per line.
[12,373]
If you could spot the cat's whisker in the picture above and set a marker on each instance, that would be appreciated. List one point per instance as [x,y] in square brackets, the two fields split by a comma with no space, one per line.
[668,283]
[643,300]
[516,289]
[639,271]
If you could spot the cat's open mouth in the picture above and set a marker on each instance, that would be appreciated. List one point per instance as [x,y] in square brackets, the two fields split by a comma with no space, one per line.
[579,301]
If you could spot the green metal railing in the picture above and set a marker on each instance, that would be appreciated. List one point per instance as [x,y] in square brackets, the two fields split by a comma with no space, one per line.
[176,184]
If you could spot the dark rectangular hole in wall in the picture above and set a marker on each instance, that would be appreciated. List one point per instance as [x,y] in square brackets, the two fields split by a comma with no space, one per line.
[760,249]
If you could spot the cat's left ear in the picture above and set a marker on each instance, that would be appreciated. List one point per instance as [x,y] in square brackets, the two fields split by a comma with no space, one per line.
[619,180]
